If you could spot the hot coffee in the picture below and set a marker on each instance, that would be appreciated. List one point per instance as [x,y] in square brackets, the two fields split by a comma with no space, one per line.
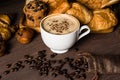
[60,24]
[61,31]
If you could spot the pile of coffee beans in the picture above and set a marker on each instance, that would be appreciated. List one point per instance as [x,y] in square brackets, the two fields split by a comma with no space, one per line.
[68,67]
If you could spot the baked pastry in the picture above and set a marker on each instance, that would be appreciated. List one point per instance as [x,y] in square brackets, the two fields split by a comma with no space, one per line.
[103,21]
[97,4]
[53,4]
[5,33]
[4,20]
[24,35]
[34,11]
[62,8]
[80,12]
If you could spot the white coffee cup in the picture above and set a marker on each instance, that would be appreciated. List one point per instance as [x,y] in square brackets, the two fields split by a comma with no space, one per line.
[61,43]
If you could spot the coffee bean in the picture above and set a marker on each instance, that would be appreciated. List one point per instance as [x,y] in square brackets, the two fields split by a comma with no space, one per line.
[19,62]
[67,75]
[72,74]
[70,78]
[17,65]
[33,61]
[32,67]
[30,57]
[22,67]
[83,75]
[38,58]
[60,61]
[53,55]
[26,56]
[66,59]
[71,59]
[64,71]
[26,61]
[78,76]
[54,74]
[14,69]
[8,65]
[57,68]
[42,53]
[6,72]
[53,61]
[40,73]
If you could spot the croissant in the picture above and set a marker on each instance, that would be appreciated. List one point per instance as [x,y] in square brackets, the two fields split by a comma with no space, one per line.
[6,34]
[80,12]
[98,4]
[103,21]
[4,20]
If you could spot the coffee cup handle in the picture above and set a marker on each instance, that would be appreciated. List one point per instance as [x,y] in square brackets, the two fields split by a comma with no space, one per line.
[84,27]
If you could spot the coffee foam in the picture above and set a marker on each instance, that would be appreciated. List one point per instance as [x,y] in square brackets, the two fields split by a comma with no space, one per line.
[60,24]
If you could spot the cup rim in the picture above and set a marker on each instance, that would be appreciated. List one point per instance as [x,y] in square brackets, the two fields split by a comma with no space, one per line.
[41,27]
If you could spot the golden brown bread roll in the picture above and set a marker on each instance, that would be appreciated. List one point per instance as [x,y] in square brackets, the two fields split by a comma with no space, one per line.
[62,8]
[24,35]
[103,21]
[80,12]
[34,11]
[97,4]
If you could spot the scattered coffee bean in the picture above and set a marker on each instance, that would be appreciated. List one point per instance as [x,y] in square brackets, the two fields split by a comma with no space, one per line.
[70,78]
[53,55]
[72,74]
[60,61]
[64,71]
[6,72]
[19,62]
[78,76]
[8,65]
[32,67]
[51,66]
[67,59]
[26,61]
[53,61]
[26,56]
[42,53]
[33,61]
[54,74]
[14,69]
[22,66]
[83,75]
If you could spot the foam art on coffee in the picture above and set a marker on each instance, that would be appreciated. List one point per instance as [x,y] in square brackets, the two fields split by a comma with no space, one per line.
[60,24]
